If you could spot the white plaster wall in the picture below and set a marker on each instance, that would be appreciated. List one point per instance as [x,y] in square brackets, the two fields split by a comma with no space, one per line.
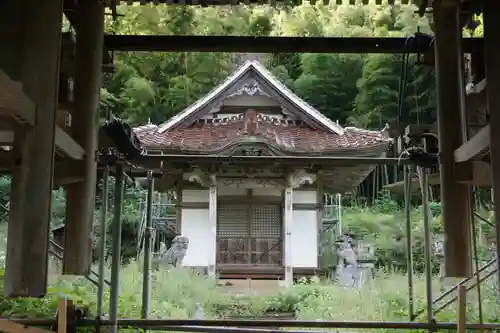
[195,226]
[304,230]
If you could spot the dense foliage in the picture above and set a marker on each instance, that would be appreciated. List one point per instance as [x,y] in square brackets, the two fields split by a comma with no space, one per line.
[360,90]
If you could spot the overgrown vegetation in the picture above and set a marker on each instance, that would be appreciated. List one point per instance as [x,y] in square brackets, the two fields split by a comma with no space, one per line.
[176,294]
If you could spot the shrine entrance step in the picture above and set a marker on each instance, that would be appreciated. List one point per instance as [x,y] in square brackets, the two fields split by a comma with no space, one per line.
[260,272]
[250,287]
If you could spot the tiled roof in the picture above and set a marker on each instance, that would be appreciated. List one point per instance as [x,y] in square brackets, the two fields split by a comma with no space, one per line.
[215,135]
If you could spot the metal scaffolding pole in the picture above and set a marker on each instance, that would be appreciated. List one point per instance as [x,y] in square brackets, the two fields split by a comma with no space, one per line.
[102,240]
[146,282]
[228,326]
[481,280]
[476,266]
[409,240]
[424,186]
[484,220]
[116,253]
[453,289]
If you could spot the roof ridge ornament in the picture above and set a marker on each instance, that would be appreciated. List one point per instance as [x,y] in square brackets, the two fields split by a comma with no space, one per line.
[250,87]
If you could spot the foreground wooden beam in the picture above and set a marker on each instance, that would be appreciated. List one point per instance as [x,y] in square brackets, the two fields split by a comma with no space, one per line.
[81,195]
[261,44]
[65,144]
[491,13]
[474,173]
[398,187]
[8,326]
[455,197]
[474,147]
[14,102]
[37,66]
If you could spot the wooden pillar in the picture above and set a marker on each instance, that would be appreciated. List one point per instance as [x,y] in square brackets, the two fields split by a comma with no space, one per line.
[287,233]
[492,59]
[455,197]
[178,207]
[81,195]
[212,206]
[37,66]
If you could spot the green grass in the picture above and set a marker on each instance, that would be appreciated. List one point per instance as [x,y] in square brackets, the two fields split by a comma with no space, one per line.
[175,294]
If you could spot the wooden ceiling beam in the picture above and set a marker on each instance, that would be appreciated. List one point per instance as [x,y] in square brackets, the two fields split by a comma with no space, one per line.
[474,173]
[14,103]
[478,144]
[474,147]
[264,44]
[67,145]
[64,143]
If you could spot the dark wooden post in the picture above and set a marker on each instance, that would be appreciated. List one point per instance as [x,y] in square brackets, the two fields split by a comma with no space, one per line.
[455,197]
[37,67]
[81,195]
[492,56]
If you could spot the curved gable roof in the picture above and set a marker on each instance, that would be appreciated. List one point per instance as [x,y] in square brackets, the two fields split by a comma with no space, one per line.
[255,66]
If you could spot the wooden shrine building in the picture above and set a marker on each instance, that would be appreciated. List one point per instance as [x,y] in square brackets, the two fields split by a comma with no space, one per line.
[39,150]
[248,220]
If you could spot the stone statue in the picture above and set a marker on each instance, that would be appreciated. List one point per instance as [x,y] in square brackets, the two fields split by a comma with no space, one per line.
[173,257]
[438,251]
[346,250]
[347,268]
[356,261]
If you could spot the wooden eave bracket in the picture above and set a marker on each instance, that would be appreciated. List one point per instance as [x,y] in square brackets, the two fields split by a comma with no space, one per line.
[14,102]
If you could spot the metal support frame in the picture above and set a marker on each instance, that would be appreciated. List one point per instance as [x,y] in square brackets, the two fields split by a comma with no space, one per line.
[102,240]
[146,282]
[116,252]
[409,241]
[256,326]
[424,186]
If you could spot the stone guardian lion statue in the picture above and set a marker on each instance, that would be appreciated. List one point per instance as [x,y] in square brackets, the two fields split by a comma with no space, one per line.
[174,256]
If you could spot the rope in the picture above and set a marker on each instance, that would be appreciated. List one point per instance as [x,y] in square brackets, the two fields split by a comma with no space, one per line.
[403,78]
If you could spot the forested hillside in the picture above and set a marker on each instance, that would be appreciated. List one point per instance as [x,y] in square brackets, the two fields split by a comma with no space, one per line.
[359,90]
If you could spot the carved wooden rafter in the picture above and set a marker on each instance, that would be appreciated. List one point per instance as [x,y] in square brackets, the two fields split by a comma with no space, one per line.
[250,88]
[295,179]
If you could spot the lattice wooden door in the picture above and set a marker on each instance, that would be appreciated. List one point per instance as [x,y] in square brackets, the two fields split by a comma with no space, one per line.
[249,234]
[265,234]
[232,234]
